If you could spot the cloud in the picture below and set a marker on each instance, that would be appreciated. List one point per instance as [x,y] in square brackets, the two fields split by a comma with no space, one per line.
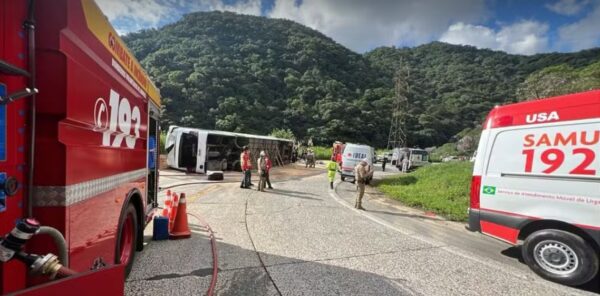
[583,33]
[524,37]
[363,25]
[567,7]
[133,15]
[252,7]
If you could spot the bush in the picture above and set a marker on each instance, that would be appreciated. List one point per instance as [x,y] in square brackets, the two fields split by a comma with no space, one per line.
[283,134]
[163,140]
[443,189]
[322,153]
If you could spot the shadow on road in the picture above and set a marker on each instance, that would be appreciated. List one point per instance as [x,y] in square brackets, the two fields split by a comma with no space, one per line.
[294,194]
[513,252]
[403,215]
[245,272]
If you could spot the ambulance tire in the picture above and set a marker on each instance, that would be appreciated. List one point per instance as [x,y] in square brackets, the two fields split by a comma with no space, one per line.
[562,243]
[127,237]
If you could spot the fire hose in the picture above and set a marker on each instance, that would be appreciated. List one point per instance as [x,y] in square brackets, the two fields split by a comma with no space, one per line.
[13,244]
[213,245]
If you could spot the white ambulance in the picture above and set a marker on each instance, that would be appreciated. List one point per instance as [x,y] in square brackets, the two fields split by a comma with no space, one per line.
[536,182]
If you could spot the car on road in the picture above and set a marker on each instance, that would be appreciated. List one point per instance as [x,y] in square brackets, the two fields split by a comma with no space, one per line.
[536,183]
[351,156]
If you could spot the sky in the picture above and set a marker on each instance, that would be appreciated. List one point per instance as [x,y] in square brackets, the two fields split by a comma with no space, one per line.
[519,27]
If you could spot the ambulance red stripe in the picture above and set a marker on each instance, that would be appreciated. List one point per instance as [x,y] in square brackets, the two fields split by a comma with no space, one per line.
[577,106]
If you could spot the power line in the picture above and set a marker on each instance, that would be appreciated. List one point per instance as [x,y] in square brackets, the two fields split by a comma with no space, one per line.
[397,135]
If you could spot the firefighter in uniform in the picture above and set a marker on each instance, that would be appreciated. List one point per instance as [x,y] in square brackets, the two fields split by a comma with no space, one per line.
[261,162]
[246,167]
[361,174]
[332,167]
[269,166]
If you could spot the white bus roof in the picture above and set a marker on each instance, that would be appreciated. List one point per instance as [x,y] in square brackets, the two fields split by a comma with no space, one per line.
[230,134]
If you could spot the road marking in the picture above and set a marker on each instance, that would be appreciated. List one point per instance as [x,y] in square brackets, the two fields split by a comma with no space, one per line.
[495,265]
[202,192]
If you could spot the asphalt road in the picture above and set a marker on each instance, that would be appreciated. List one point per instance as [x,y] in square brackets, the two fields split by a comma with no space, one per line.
[304,239]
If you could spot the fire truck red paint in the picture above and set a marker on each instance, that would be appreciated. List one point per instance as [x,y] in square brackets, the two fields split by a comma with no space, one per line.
[536,179]
[96,128]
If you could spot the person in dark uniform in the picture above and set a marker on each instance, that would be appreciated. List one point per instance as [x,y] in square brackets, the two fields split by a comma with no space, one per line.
[383,162]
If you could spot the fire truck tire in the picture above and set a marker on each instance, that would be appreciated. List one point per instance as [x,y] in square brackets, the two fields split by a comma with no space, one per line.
[560,256]
[127,238]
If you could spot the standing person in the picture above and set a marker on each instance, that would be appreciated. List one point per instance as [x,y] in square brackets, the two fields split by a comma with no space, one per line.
[331,169]
[405,163]
[385,160]
[294,155]
[269,166]
[246,167]
[361,173]
[262,171]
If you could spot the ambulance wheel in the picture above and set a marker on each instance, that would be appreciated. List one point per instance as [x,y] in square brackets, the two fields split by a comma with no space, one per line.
[560,256]
[343,178]
[128,230]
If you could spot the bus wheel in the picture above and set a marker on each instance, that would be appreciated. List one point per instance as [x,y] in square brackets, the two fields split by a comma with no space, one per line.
[128,230]
[560,256]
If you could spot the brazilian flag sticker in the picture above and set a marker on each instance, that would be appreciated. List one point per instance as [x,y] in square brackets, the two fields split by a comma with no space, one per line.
[491,190]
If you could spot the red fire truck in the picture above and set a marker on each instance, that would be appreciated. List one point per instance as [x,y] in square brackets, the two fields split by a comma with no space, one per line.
[78,130]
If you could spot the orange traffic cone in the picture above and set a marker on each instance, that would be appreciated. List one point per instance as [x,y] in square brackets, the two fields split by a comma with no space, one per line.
[180,226]
[173,210]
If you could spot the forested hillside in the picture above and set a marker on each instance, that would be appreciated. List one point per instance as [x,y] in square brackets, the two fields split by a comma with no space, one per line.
[220,70]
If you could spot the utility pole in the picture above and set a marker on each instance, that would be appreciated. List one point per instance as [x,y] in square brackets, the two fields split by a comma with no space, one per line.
[397,136]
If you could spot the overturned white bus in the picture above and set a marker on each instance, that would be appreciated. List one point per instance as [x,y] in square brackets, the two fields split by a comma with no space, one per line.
[200,151]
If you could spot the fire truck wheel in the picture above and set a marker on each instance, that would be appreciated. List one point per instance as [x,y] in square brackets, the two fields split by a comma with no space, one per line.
[128,229]
[560,256]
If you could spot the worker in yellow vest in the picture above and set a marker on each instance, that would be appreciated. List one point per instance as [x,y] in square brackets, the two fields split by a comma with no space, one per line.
[332,167]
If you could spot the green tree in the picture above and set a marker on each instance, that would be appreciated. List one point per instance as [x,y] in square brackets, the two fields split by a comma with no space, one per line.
[282,134]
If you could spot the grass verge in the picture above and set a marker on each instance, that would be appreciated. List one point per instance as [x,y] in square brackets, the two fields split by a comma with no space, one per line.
[442,188]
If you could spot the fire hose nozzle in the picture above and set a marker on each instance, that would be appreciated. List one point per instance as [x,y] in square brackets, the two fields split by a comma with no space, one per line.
[46,265]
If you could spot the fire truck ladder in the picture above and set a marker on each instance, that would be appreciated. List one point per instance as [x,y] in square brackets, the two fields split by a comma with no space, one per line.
[12,70]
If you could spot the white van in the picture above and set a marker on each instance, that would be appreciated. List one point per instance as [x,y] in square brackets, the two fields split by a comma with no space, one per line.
[416,157]
[352,155]
[536,182]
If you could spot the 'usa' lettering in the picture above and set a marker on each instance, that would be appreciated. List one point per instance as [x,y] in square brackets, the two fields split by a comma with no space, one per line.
[542,117]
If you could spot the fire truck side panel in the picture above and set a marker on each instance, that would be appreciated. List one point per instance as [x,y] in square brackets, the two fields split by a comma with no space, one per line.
[540,169]
[13,132]
[92,133]
[93,229]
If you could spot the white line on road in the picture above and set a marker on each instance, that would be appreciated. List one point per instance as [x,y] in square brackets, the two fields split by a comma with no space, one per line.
[496,265]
